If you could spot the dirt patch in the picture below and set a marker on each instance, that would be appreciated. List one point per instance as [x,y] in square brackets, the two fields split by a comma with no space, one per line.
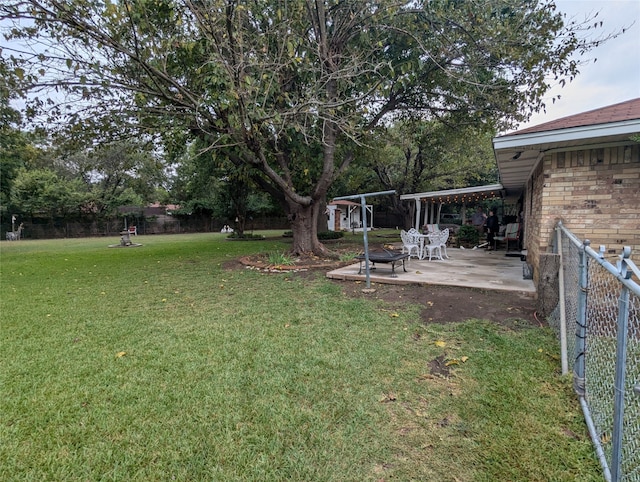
[438,366]
[440,304]
[452,304]
[261,262]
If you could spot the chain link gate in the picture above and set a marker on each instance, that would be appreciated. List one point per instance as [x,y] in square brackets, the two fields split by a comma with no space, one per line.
[600,313]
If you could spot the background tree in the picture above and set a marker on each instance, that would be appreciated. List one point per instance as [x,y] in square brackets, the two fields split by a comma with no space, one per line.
[16,150]
[206,187]
[418,156]
[42,193]
[195,184]
[116,174]
[281,84]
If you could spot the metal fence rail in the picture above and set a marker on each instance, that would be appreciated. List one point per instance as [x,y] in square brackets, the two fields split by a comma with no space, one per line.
[599,312]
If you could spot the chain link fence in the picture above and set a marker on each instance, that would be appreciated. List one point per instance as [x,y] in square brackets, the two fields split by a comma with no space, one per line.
[597,321]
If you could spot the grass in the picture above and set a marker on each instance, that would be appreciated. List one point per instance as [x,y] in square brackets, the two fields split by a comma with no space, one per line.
[156,363]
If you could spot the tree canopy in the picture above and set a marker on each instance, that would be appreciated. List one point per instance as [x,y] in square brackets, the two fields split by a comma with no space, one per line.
[289,90]
[418,156]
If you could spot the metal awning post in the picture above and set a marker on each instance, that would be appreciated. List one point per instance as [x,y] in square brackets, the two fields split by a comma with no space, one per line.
[365,237]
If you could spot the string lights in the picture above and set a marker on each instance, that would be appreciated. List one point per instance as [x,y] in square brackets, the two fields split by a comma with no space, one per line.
[463,198]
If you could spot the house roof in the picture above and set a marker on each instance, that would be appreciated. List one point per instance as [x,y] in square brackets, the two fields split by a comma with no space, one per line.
[344,203]
[623,111]
[518,153]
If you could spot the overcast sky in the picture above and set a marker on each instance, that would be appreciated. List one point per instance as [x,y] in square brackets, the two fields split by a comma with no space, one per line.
[615,75]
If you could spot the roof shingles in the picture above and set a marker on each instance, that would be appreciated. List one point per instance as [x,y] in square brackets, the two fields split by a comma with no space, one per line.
[624,111]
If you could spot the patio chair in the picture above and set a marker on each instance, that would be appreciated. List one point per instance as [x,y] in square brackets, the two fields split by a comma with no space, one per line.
[511,233]
[444,237]
[411,243]
[133,230]
[431,228]
[435,244]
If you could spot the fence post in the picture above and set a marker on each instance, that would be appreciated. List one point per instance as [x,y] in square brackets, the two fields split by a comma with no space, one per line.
[621,364]
[579,382]
[581,329]
[563,314]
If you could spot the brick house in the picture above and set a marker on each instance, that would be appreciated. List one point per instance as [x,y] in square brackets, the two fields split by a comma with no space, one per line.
[583,170]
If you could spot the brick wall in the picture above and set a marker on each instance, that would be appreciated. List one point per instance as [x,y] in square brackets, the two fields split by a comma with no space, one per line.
[533,228]
[594,192]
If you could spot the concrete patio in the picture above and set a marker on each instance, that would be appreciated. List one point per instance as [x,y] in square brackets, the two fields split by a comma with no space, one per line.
[472,268]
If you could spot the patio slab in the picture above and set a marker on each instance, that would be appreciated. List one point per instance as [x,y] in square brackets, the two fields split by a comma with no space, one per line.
[477,268]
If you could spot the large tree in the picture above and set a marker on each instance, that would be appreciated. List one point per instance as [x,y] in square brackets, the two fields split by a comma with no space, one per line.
[279,85]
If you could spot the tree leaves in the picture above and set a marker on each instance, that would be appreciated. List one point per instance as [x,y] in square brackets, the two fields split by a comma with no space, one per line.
[334,72]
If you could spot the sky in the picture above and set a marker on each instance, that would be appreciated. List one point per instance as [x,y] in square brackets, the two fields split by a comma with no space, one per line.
[614,76]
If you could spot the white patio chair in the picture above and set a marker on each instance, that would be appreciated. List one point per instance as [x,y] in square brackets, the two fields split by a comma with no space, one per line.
[417,238]
[411,243]
[434,245]
[444,237]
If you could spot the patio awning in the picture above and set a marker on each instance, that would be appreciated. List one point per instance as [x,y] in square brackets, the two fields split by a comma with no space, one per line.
[463,195]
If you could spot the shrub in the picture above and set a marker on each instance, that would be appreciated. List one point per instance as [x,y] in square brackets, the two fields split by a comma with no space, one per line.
[280,259]
[348,256]
[324,235]
[245,237]
[468,234]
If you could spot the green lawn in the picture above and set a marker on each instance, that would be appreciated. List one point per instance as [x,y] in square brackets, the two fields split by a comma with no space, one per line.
[156,363]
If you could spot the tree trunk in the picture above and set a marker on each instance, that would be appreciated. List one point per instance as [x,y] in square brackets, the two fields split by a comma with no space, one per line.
[322,222]
[240,224]
[304,225]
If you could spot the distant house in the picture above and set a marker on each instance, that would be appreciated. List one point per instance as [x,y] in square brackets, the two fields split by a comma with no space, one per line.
[346,215]
[583,170]
[161,211]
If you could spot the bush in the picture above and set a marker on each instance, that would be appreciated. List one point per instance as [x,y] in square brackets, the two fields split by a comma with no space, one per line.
[324,235]
[245,237]
[468,235]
